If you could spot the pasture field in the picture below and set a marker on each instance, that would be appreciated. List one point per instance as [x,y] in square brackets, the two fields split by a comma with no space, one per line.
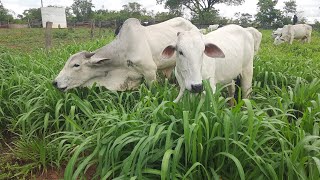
[98,134]
[28,40]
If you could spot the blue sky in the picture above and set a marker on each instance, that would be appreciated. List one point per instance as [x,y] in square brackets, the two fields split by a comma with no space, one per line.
[307,8]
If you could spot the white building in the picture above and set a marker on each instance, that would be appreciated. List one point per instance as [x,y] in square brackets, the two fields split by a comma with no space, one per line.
[56,15]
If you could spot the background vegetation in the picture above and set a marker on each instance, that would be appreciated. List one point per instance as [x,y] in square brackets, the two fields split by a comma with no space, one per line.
[98,134]
[31,39]
[202,13]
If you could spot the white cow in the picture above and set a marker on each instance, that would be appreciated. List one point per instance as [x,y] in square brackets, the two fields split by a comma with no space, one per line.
[276,33]
[219,57]
[120,65]
[291,32]
[257,36]
[213,27]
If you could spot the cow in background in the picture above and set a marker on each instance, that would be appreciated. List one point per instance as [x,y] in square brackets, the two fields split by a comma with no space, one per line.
[257,36]
[290,32]
[213,27]
[276,32]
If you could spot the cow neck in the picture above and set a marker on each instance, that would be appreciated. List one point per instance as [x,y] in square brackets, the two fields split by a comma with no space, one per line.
[109,51]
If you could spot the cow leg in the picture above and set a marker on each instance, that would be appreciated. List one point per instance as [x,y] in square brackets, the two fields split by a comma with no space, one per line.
[147,68]
[213,85]
[182,87]
[291,39]
[246,80]
[150,76]
[309,38]
[231,91]
[179,95]
[167,72]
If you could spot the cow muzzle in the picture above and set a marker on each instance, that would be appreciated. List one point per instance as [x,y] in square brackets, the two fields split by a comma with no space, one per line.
[196,88]
[55,84]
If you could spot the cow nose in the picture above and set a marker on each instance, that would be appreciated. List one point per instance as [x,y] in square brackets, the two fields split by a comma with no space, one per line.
[55,84]
[196,88]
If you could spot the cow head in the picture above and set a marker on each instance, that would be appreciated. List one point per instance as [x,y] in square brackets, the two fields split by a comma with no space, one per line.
[190,48]
[113,65]
[276,32]
[81,68]
[279,40]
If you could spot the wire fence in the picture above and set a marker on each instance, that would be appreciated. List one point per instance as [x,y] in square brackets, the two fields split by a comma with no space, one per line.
[87,24]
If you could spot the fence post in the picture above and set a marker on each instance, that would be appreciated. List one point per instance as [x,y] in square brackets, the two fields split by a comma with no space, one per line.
[48,34]
[29,24]
[99,29]
[92,29]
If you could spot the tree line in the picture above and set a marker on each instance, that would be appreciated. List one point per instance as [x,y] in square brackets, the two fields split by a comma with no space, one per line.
[203,12]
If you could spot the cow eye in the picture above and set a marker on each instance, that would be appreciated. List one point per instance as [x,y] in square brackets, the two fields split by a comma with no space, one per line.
[76,65]
[181,53]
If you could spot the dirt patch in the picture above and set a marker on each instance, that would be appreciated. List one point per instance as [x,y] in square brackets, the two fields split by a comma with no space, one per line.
[50,174]
[54,174]
[8,165]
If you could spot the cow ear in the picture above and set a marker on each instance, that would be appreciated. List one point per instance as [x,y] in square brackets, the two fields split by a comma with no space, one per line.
[168,52]
[98,61]
[213,51]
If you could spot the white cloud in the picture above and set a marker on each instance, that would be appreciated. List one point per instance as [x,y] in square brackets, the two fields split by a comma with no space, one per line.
[249,6]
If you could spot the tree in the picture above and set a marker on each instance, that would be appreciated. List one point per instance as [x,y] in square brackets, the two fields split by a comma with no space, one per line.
[134,7]
[202,8]
[289,10]
[31,15]
[175,7]
[267,15]
[290,7]
[70,16]
[206,17]
[135,10]
[4,14]
[244,19]
[82,9]
[106,15]
[163,16]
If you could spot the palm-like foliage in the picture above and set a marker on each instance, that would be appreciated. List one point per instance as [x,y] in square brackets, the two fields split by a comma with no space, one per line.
[143,135]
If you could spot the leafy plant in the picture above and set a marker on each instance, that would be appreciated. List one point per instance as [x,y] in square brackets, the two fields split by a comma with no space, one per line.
[142,134]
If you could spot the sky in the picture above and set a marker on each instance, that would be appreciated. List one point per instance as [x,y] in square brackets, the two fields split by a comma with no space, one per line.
[307,8]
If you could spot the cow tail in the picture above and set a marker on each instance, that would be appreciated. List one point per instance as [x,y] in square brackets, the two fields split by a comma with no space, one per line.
[237,88]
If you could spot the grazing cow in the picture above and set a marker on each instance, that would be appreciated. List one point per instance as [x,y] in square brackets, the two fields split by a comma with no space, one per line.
[117,30]
[257,36]
[276,33]
[291,32]
[120,65]
[213,27]
[219,57]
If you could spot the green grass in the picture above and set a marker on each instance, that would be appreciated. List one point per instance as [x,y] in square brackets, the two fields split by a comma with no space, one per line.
[142,134]
[28,40]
